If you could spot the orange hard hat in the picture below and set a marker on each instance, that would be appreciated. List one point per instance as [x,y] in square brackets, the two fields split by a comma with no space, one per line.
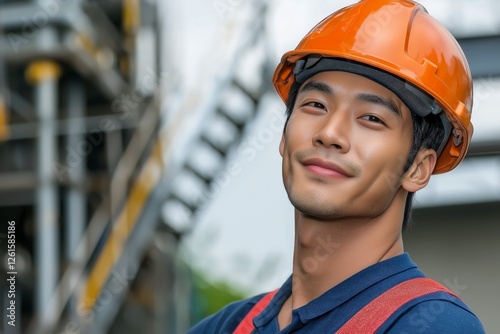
[399,45]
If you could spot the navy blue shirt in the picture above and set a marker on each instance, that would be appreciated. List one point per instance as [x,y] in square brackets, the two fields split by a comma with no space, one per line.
[434,313]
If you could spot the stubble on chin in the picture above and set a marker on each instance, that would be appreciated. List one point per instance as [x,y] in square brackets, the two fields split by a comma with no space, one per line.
[313,205]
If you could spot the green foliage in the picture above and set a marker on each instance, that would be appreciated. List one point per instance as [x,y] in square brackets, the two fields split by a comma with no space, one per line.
[210,297]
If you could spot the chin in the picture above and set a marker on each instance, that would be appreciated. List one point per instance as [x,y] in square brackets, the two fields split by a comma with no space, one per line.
[314,205]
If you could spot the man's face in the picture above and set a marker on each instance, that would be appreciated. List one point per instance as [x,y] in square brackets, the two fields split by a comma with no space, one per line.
[345,147]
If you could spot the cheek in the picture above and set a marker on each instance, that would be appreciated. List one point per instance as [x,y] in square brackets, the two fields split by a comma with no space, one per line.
[295,139]
[300,131]
[383,155]
[295,136]
[285,154]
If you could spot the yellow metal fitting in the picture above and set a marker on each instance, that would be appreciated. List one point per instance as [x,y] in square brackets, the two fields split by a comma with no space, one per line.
[42,70]
[4,121]
[131,15]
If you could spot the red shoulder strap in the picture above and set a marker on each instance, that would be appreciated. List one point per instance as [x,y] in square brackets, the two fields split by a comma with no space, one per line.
[375,313]
[372,315]
[246,325]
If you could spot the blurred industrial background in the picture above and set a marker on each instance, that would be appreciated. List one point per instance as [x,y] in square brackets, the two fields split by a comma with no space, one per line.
[139,160]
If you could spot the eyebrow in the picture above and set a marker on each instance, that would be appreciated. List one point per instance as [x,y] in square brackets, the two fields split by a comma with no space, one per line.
[316,86]
[377,99]
[367,97]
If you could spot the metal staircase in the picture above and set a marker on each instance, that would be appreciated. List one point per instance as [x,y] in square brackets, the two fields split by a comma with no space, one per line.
[103,165]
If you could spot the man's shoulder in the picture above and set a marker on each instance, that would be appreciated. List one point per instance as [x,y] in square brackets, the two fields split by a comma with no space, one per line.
[227,319]
[439,313]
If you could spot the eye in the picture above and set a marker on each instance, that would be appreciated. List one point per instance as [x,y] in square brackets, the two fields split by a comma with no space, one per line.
[373,118]
[315,104]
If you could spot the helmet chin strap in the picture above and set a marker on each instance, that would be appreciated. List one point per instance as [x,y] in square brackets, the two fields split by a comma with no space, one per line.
[448,128]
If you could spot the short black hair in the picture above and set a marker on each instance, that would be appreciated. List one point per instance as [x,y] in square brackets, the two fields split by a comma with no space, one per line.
[428,132]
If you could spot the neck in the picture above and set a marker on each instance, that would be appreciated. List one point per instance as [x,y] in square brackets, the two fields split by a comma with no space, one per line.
[328,252]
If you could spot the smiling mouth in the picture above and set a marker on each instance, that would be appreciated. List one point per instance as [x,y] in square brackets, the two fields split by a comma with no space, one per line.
[325,168]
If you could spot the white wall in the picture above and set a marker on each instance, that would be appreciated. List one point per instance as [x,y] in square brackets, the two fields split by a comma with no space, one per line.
[459,247]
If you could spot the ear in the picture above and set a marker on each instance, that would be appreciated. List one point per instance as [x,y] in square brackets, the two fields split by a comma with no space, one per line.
[419,173]
[282,144]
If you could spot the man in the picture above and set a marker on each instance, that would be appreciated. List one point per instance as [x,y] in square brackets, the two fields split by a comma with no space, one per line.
[379,97]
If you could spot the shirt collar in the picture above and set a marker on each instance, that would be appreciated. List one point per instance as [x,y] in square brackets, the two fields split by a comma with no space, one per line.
[338,294]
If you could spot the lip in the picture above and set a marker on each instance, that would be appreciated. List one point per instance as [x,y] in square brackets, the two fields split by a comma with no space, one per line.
[325,168]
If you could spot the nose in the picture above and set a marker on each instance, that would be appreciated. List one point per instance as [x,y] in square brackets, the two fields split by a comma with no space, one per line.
[333,132]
